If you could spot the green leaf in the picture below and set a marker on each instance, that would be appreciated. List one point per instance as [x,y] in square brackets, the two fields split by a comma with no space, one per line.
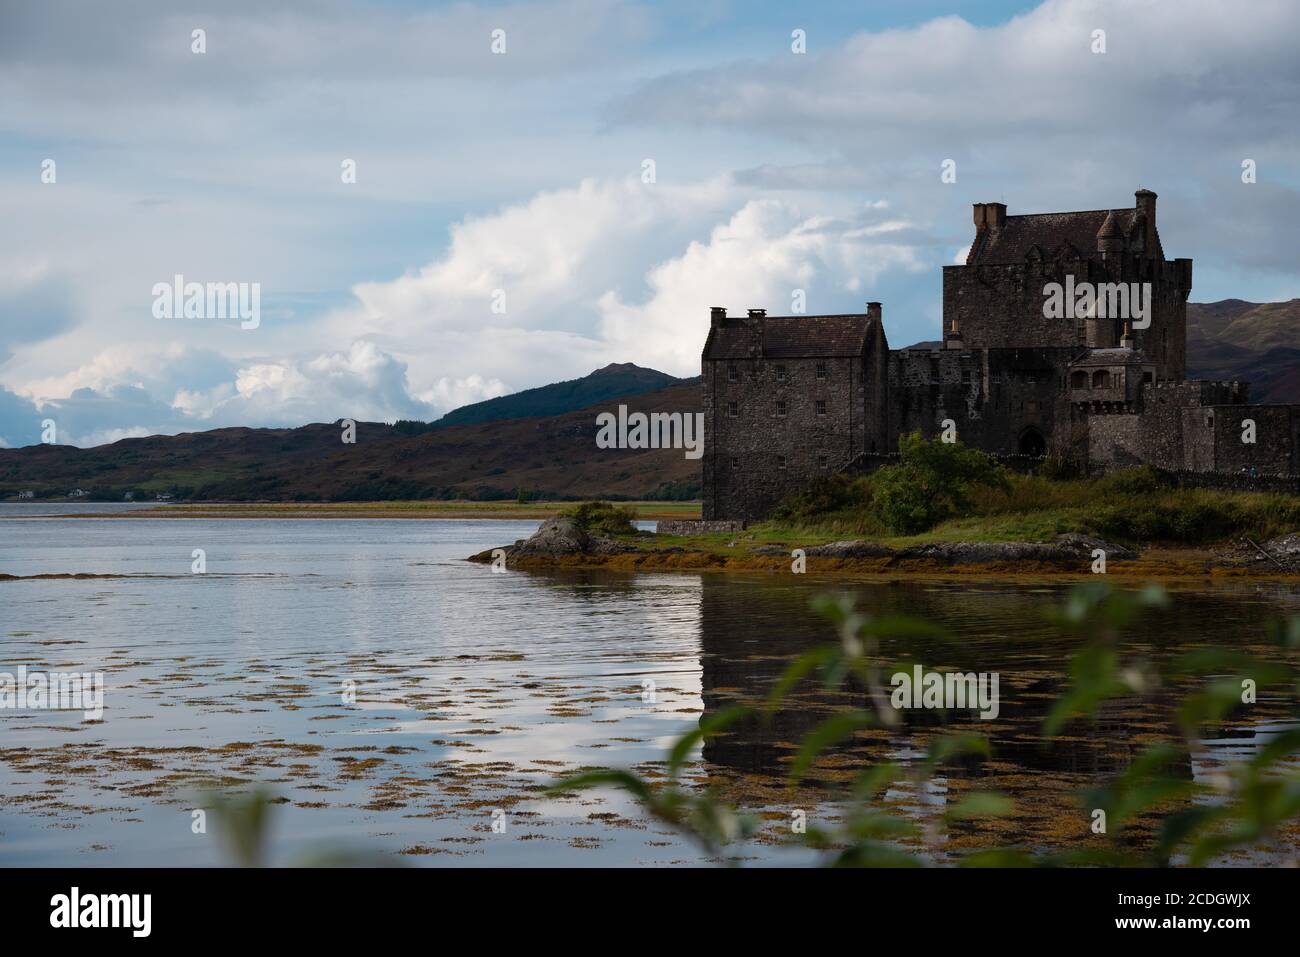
[831,731]
[981,804]
[711,725]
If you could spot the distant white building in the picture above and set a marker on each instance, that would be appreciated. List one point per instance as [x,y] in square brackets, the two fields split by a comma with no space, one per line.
[26,494]
[77,493]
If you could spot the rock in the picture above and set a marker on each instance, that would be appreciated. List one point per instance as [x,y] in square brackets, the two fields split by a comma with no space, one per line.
[1084,546]
[558,537]
[850,549]
[1284,550]
[1067,548]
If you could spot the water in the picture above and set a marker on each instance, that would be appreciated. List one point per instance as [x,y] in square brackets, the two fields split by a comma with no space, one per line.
[474,691]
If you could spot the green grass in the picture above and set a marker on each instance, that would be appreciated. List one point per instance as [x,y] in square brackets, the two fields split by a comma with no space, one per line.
[1132,508]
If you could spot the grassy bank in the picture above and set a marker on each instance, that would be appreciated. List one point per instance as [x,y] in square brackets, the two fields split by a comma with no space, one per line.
[1132,508]
[647,511]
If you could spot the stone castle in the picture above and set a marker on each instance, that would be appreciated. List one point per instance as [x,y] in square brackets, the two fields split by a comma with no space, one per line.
[1064,333]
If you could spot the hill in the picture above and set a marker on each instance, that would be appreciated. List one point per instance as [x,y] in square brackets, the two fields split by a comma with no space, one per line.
[553,457]
[614,380]
[1251,341]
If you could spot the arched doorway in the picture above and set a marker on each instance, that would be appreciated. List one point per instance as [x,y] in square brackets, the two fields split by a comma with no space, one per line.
[1032,443]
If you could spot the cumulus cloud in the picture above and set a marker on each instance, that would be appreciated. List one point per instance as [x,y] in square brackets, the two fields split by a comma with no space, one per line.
[581,286]
[1181,96]
[775,173]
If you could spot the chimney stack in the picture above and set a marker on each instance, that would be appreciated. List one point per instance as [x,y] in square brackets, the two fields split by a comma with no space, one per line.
[1146,202]
[953,338]
[717,316]
[758,313]
[990,215]
[873,311]
[1127,341]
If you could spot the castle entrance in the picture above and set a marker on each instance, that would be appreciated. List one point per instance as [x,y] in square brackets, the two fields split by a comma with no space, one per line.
[1032,443]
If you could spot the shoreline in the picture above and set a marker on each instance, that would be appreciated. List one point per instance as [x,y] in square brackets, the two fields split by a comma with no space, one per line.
[1171,566]
[498,511]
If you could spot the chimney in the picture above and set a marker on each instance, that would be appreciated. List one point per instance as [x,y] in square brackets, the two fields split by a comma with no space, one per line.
[1127,341]
[990,215]
[873,311]
[758,313]
[1146,202]
[953,338]
[717,316]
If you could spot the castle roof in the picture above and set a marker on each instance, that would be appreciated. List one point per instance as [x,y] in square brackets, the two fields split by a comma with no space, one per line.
[790,337]
[1050,235]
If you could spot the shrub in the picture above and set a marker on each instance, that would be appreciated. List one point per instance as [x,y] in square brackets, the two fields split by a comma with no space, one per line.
[932,482]
[603,518]
[1142,480]
[825,494]
[1060,468]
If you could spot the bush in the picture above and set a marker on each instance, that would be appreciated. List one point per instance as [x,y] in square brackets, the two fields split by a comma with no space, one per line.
[602,518]
[1059,468]
[825,494]
[1142,480]
[931,483]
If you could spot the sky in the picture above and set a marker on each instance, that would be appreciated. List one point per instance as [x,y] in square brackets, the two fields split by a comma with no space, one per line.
[584,197]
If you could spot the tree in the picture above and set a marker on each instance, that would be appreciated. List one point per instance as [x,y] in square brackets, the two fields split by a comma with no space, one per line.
[932,482]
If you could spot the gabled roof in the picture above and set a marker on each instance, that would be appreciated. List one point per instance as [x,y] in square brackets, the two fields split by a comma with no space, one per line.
[1051,236]
[790,337]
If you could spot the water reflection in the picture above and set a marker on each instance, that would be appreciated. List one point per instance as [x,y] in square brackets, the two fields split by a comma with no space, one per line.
[750,630]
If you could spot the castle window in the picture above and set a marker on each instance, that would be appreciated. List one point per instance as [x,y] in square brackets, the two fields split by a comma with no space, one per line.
[780,408]
[821,406]
[1078,379]
[780,461]
[733,374]
[733,409]
[1100,379]
[780,374]
[822,462]
[821,370]
[735,463]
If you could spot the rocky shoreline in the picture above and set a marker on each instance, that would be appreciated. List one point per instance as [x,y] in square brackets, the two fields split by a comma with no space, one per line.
[560,542]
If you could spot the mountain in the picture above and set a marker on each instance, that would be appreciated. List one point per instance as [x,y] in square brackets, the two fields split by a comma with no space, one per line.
[545,456]
[1256,342]
[616,379]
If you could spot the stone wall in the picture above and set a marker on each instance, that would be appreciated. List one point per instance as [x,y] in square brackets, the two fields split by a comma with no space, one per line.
[694,527]
[775,426]
[1001,306]
[995,397]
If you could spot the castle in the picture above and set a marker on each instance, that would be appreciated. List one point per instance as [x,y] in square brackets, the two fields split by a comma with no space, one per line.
[1064,333]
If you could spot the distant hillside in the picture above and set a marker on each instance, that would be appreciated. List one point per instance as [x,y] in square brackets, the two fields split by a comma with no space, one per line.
[616,379]
[1251,341]
[553,457]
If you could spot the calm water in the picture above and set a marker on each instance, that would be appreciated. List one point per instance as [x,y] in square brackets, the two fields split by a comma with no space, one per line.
[474,690]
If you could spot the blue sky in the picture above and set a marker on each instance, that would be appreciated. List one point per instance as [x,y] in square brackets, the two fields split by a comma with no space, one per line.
[522,173]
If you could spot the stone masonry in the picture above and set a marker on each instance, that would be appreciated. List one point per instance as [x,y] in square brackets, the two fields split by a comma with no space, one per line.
[790,397]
